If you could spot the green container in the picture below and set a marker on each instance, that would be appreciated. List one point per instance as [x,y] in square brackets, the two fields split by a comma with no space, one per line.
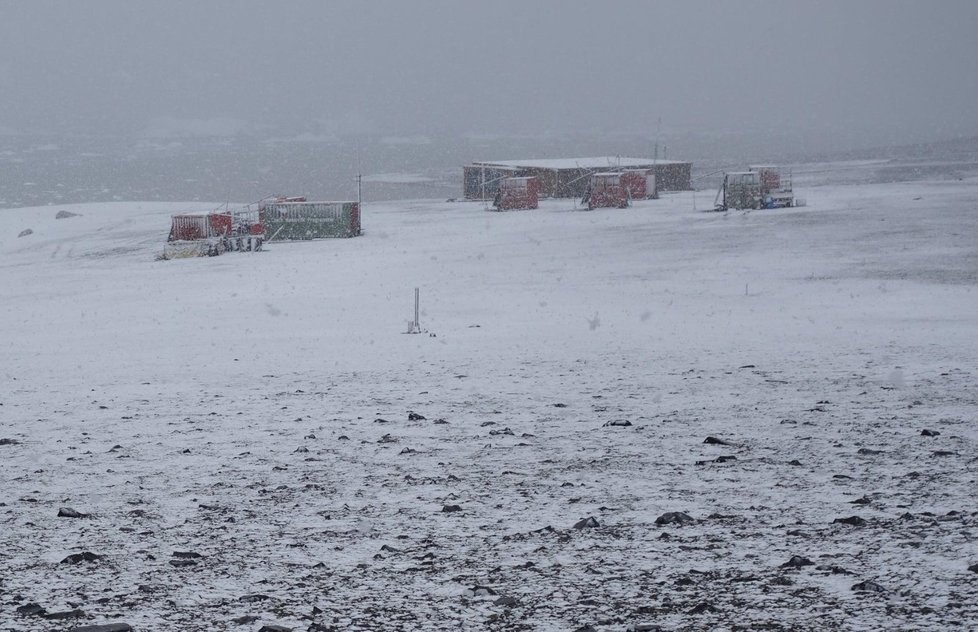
[287,221]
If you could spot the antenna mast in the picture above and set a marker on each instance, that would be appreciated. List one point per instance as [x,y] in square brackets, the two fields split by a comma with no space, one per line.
[359,183]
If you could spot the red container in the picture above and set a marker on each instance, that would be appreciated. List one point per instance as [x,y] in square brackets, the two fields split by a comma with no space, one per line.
[770,178]
[607,190]
[220,224]
[355,218]
[188,227]
[636,183]
[518,193]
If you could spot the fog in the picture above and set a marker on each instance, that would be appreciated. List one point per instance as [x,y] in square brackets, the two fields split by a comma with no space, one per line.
[111,99]
[875,71]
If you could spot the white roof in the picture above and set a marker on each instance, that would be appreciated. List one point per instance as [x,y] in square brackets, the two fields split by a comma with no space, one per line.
[310,202]
[599,162]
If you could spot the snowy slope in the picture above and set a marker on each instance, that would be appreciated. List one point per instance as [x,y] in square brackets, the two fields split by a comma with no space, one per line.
[253,408]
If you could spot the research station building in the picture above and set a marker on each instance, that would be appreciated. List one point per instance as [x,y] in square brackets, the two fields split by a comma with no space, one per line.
[568,177]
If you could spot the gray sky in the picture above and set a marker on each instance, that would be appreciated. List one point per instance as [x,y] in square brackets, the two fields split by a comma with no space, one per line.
[878,71]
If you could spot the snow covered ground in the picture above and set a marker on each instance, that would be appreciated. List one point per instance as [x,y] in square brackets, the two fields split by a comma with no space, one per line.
[253,409]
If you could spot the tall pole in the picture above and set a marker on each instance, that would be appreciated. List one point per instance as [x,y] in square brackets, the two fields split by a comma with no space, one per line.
[417,324]
[359,179]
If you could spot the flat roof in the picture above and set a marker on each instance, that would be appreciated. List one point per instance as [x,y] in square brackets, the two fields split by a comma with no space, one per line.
[308,202]
[597,162]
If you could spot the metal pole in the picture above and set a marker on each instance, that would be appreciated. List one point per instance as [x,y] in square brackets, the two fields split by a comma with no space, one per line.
[359,180]
[417,324]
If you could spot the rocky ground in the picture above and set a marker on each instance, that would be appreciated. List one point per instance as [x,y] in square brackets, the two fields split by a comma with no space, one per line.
[675,421]
[783,501]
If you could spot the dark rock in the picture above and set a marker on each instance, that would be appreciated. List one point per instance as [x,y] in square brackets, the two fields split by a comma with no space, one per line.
[440,422]
[944,453]
[868,586]
[509,602]
[254,598]
[480,591]
[504,431]
[835,570]
[781,580]
[381,420]
[623,423]
[274,628]
[6,441]
[65,215]
[183,563]
[865,500]
[644,627]
[702,607]
[77,558]
[929,433]
[585,628]
[187,555]
[451,508]
[842,476]
[64,614]
[973,568]
[247,618]
[854,521]
[408,451]
[25,232]
[674,517]
[868,451]
[716,441]
[389,549]
[725,459]
[412,416]
[794,462]
[31,610]
[105,627]
[68,512]
[560,405]
[586,523]
[797,561]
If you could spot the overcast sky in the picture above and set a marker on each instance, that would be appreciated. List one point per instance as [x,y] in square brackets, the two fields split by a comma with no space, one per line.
[884,70]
